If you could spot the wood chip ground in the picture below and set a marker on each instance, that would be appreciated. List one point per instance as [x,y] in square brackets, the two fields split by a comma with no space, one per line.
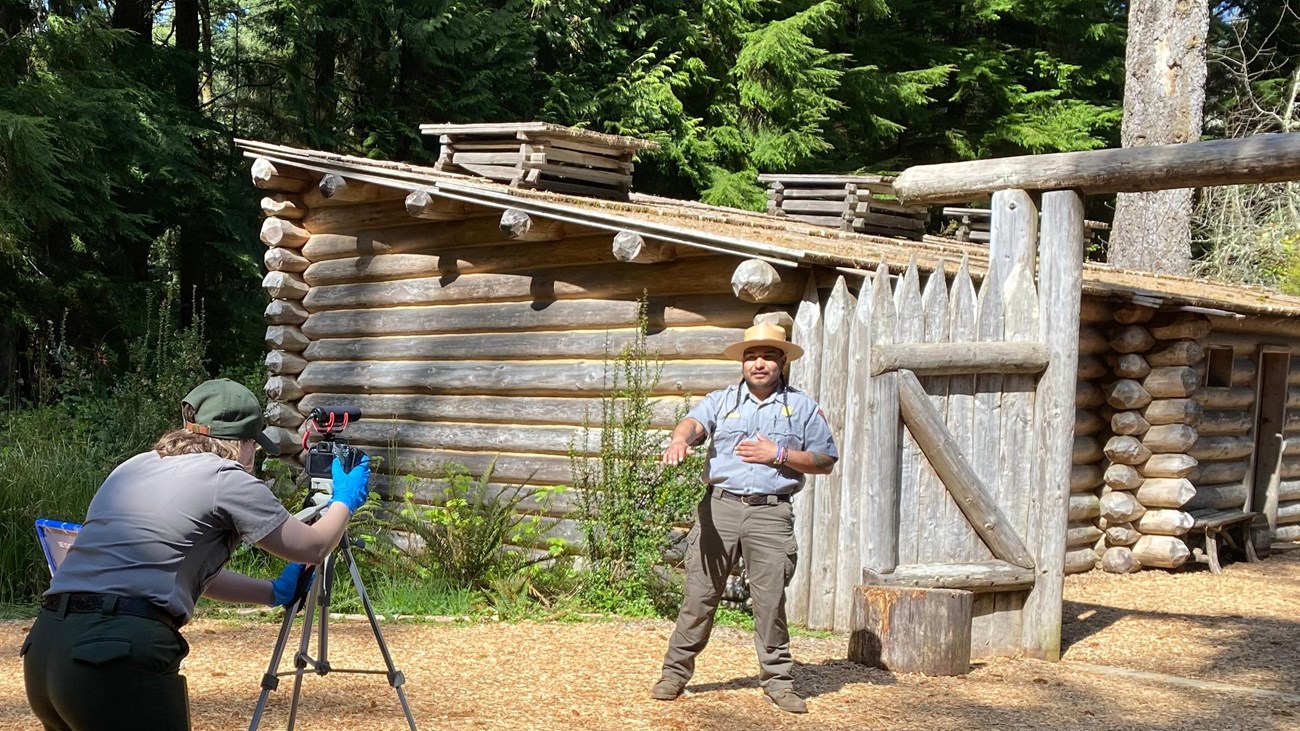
[1187,650]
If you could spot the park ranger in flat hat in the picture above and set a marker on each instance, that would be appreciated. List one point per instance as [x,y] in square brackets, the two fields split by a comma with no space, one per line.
[764,438]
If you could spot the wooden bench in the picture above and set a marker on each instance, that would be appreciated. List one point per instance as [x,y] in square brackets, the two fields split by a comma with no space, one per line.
[1217,524]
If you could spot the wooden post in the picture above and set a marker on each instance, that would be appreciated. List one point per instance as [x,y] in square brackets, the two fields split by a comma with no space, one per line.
[1060,260]
[911,630]
[853,462]
[805,374]
[880,523]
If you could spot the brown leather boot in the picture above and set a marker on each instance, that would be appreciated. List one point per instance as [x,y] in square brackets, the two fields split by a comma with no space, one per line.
[786,700]
[668,688]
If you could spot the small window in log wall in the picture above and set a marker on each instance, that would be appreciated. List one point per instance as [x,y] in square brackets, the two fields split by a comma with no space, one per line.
[1218,367]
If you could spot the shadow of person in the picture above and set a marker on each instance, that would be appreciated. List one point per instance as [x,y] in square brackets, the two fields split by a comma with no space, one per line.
[810,681]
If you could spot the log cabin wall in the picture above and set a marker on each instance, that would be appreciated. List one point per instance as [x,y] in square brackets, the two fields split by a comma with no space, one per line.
[1091,430]
[478,338]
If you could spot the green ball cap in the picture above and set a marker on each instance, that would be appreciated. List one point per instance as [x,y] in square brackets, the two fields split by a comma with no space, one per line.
[229,411]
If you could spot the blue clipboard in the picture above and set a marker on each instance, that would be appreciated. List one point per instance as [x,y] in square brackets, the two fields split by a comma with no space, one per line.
[56,538]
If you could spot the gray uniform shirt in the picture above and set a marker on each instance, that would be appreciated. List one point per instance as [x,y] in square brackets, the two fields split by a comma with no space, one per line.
[732,415]
[161,528]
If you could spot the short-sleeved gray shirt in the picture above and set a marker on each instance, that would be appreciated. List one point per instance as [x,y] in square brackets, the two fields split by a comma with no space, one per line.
[162,528]
[788,417]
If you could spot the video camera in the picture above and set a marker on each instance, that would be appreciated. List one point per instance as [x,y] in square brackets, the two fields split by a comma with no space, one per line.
[329,422]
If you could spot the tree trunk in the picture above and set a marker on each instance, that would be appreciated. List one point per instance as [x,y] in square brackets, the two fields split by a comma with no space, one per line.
[1163,98]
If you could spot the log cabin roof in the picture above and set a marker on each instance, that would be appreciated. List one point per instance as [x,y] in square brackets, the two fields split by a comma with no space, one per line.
[758,235]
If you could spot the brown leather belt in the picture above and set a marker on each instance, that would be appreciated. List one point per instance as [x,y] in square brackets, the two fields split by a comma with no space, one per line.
[110,604]
[752,499]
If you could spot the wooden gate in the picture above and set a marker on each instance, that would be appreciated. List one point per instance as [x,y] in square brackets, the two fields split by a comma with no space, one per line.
[953,405]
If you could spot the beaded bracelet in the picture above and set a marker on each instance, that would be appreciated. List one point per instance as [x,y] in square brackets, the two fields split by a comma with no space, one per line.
[780,457]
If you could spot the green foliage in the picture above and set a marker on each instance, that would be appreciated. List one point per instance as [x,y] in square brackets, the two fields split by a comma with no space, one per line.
[53,456]
[630,502]
[475,537]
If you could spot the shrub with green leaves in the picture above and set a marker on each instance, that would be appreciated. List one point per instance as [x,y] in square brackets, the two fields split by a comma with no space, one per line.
[629,502]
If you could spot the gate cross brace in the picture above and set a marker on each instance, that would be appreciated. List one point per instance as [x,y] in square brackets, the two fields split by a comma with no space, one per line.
[972,496]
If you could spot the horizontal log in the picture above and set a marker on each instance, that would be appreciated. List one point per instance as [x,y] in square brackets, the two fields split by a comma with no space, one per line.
[687,277]
[1293,397]
[284,205]
[1165,492]
[428,206]
[1131,365]
[1129,423]
[471,233]
[935,359]
[269,175]
[1093,310]
[497,378]
[1085,477]
[1289,469]
[532,469]
[755,280]
[1080,560]
[280,362]
[1087,422]
[1286,490]
[281,414]
[286,440]
[1084,506]
[562,315]
[631,247]
[450,262]
[1288,513]
[1120,507]
[1174,411]
[1119,559]
[511,438]
[1237,397]
[670,344]
[282,232]
[1081,533]
[1161,551]
[1169,438]
[1091,367]
[1126,450]
[1169,465]
[1244,372]
[336,190]
[665,411]
[1163,522]
[517,225]
[1219,473]
[1287,534]
[280,259]
[979,576]
[533,500]
[1176,353]
[1092,342]
[284,286]
[1266,158]
[1210,449]
[1122,534]
[1122,477]
[285,312]
[1133,314]
[1187,326]
[283,388]
[356,217]
[1126,394]
[832,207]
[1087,450]
[1218,497]
[1088,396]
[286,337]
[1131,339]
[1218,423]
[1171,382]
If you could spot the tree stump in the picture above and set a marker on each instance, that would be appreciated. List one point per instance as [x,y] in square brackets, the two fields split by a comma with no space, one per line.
[906,630]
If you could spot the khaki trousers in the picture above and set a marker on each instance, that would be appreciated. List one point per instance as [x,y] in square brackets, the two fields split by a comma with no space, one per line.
[725,530]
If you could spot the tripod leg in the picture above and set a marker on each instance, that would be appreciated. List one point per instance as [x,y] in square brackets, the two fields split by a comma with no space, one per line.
[318,596]
[271,681]
[395,677]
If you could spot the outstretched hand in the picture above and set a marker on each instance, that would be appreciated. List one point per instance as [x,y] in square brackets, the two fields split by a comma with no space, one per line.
[759,450]
[676,453]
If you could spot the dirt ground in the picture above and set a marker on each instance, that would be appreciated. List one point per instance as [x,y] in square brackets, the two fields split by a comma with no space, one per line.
[1151,651]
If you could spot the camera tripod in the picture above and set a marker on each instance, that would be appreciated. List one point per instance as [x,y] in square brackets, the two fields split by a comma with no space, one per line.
[318,597]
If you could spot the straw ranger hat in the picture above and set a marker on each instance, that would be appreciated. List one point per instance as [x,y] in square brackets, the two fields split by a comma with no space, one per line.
[764,334]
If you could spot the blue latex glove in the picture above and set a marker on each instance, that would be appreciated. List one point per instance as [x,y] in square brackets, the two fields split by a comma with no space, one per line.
[351,488]
[285,588]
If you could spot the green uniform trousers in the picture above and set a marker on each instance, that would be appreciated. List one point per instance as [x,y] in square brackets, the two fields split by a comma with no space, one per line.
[725,530]
[105,672]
